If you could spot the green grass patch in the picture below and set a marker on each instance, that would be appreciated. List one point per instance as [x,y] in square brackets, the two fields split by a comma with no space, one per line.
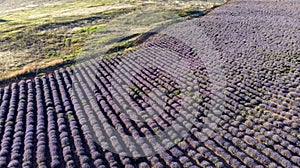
[41,74]
[92,29]
[53,55]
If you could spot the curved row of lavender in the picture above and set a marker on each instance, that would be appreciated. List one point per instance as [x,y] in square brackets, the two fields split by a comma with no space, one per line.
[47,122]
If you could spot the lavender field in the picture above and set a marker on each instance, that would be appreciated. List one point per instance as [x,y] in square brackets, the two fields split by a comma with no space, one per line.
[221,90]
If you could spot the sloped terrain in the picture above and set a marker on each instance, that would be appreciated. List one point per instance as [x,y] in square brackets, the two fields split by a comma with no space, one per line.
[37,36]
[242,59]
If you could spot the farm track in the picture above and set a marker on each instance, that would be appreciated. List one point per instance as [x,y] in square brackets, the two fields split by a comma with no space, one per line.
[251,45]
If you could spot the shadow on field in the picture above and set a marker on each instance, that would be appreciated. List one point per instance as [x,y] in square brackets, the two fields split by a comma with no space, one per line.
[140,40]
[3,20]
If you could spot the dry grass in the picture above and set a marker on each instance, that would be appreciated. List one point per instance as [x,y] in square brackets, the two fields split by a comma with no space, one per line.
[50,35]
[32,68]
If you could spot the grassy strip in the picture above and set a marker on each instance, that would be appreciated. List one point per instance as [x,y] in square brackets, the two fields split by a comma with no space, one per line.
[62,39]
